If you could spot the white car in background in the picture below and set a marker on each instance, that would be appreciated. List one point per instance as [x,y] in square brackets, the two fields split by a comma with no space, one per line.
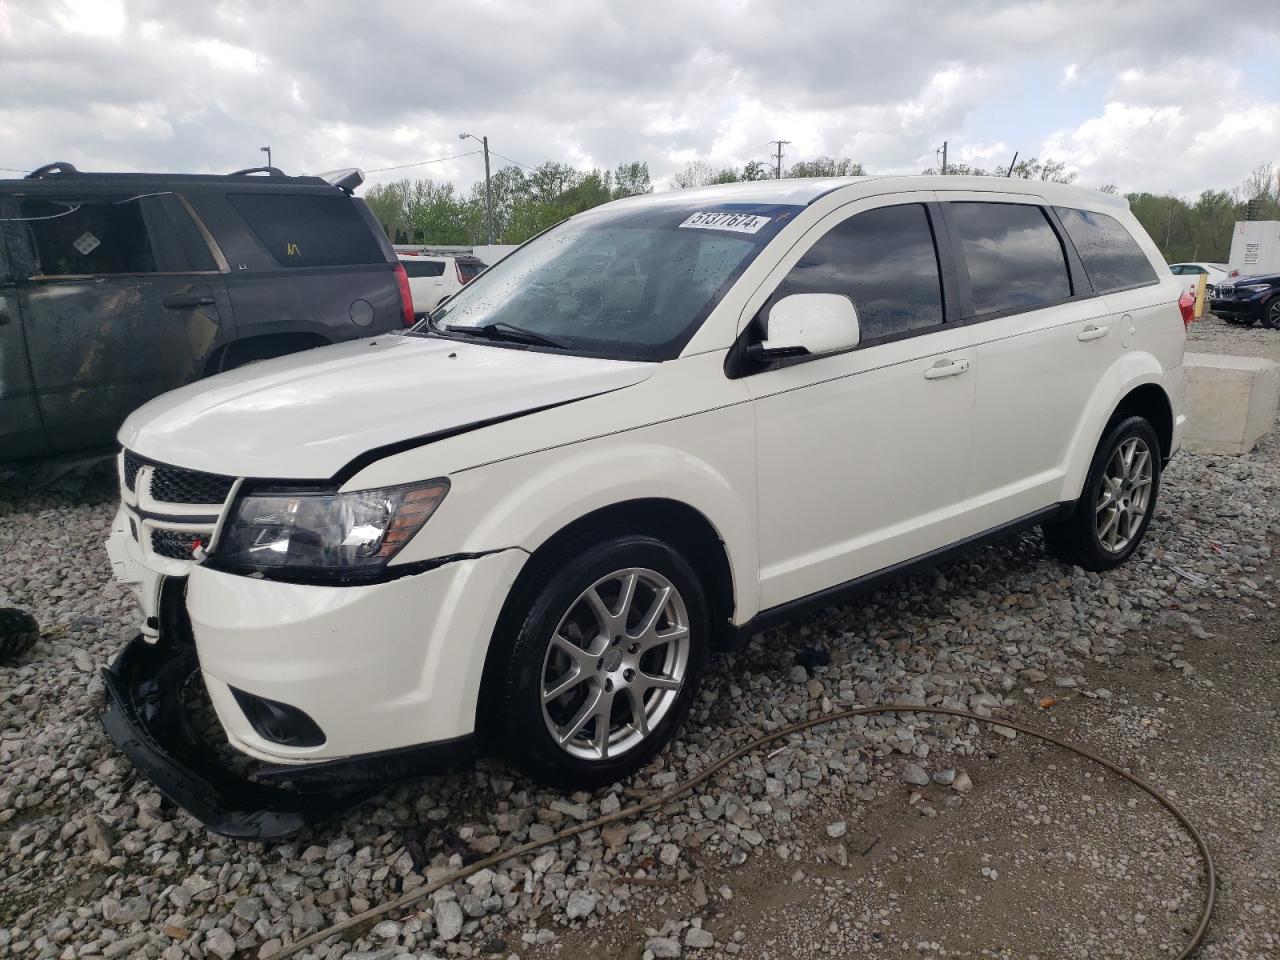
[1215,273]
[434,277]
[650,432]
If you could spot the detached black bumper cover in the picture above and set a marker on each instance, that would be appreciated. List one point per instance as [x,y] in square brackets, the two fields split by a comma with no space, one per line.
[150,723]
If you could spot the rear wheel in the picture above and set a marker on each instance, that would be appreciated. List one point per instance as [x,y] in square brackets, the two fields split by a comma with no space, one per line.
[1111,517]
[605,663]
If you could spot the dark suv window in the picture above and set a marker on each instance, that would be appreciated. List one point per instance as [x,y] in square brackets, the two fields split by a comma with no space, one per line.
[885,261]
[304,230]
[73,238]
[1014,257]
[1110,255]
[423,268]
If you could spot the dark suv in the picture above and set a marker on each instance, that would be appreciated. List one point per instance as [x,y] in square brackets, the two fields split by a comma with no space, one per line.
[115,287]
[1244,300]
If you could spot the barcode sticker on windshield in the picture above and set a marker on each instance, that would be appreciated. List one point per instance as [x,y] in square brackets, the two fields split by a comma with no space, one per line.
[734,222]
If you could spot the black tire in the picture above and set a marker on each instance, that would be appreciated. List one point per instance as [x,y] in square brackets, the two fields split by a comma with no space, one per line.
[1076,538]
[518,724]
[1271,313]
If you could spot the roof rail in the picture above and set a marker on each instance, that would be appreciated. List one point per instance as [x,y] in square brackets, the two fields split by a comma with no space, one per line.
[59,168]
[269,171]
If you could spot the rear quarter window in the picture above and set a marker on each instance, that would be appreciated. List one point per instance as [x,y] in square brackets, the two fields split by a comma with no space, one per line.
[1110,255]
[308,230]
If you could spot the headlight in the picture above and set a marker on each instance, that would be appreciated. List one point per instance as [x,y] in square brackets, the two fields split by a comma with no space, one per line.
[323,533]
[1252,288]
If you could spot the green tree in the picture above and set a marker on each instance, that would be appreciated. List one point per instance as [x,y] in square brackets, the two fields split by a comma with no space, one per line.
[826,167]
[631,179]
[696,173]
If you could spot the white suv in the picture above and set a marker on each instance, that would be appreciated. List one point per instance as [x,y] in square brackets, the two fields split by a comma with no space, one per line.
[433,277]
[660,426]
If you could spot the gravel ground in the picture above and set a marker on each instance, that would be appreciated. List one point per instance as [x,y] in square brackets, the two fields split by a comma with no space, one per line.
[892,836]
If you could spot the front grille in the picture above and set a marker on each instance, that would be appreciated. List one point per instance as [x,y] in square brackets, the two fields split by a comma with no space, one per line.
[1226,290]
[176,544]
[132,464]
[176,485]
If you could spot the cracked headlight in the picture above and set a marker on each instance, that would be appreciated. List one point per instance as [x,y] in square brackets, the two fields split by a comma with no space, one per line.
[321,533]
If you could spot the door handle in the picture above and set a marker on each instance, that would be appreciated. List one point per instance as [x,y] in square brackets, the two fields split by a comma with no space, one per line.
[1093,332]
[179,301]
[946,368]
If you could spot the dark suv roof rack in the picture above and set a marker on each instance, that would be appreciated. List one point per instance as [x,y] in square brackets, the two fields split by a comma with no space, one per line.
[346,180]
[269,171]
[59,168]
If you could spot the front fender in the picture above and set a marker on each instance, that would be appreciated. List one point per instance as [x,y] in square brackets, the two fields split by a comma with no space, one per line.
[1130,371]
[705,462]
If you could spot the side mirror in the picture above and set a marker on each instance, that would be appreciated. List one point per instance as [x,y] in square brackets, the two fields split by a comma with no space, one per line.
[808,324]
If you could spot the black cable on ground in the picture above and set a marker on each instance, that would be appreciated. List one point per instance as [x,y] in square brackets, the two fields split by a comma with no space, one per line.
[419,893]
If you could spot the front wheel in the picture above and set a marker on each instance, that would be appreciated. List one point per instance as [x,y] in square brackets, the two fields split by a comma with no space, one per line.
[605,662]
[1111,517]
[1271,314]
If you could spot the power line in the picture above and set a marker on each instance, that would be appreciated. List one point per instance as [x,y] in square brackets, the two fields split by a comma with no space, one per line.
[509,160]
[418,163]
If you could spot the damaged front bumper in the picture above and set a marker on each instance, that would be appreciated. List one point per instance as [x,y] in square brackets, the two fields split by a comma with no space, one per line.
[152,723]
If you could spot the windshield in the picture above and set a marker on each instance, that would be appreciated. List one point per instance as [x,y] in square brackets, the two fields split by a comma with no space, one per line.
[629,283]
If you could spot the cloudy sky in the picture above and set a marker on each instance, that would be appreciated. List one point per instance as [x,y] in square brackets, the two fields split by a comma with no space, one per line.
[1166,95]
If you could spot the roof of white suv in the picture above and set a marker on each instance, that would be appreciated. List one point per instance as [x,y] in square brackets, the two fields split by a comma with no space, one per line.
[803,191]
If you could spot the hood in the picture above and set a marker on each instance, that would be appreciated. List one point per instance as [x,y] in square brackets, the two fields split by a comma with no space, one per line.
[307,415]
[1260,278]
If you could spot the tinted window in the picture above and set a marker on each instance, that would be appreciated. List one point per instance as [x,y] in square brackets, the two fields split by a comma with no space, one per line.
[469,269]
[1014,258]
[74,238]
[885,261]
[423,268]
[1110,255]
[304,230]
[176,241]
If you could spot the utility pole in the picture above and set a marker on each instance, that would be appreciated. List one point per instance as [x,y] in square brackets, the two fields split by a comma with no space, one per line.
[488,195]
[944,158]
[267,151]
[1012,163]
[777,169]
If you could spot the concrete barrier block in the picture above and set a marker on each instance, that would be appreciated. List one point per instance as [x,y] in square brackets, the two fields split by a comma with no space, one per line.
[1231,402]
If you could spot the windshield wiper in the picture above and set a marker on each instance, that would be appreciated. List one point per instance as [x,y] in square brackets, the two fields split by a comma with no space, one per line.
[509,332]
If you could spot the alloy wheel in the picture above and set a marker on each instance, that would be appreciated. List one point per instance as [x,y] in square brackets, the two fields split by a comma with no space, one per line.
[1125,495]
[615,664]
[1273,314]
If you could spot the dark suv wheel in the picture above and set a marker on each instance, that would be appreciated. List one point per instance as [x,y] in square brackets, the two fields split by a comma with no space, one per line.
[1271,313]
[610,646]
[1113,512]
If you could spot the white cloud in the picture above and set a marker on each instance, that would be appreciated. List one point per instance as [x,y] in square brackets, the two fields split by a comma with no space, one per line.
[154,84]
[1186,127]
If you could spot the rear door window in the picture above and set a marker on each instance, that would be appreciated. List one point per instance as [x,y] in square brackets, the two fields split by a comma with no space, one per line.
[1110,255]
[1013,255]
[81,238]
[308,230]
[423,268]
[885,261]
[468,270]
